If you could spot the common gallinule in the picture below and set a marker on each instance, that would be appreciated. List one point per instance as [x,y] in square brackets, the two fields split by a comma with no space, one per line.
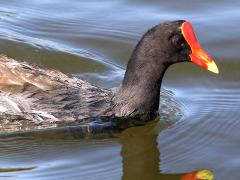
[33,93]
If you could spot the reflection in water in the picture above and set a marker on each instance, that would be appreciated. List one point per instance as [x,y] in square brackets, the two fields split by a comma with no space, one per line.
[140,155]
[2,170]
[90,155]
[12,170]
[203,174]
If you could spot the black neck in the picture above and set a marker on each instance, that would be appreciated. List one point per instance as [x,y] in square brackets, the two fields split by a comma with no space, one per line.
[140,91]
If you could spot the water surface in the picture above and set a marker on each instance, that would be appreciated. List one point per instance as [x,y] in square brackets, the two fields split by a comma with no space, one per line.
[93,40]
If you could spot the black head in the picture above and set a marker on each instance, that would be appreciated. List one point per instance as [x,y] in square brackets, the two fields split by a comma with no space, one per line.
[178,41]
[159,47]
[166,44]
[169,42]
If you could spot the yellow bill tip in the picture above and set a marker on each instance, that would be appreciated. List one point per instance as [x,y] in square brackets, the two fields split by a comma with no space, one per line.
[205,174]
[211,66]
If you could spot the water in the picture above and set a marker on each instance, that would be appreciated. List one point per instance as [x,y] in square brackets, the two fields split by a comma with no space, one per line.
[93,40]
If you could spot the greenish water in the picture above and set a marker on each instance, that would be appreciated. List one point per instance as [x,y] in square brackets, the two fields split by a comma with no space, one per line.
[93,40]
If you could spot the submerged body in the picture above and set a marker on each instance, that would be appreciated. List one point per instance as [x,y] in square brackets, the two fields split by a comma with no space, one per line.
[34,94]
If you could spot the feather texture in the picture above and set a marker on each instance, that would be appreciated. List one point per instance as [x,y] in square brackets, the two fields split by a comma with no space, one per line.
[37,94]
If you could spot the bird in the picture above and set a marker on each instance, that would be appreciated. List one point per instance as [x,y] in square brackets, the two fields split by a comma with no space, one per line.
[32,93]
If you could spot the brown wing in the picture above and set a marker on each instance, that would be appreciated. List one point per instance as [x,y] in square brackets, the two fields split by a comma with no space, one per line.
[18,74]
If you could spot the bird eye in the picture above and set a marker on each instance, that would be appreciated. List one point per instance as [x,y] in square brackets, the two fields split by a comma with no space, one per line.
[178,42]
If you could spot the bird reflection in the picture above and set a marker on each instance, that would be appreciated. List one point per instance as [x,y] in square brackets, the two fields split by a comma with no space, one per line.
[140,155]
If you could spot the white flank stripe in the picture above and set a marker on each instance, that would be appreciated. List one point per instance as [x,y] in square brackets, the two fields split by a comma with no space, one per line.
[12,104]
[3,109]
[44,114]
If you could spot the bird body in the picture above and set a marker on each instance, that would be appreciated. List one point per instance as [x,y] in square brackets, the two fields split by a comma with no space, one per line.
[34,94]
[43,94]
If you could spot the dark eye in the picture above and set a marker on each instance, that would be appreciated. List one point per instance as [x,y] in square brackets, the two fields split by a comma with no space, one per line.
[178,42]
